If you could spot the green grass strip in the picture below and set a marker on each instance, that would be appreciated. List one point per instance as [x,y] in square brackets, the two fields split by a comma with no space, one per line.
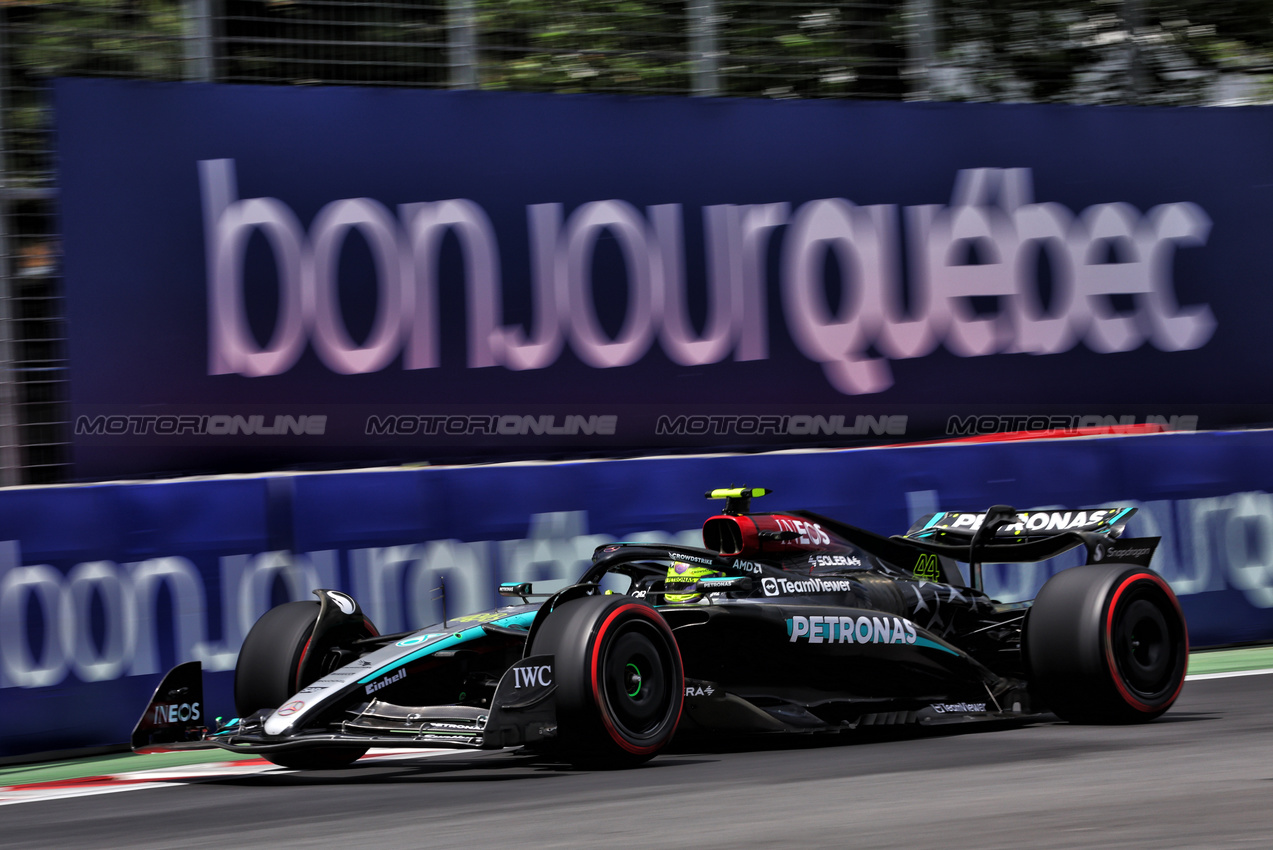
[1231,660]
[103,765]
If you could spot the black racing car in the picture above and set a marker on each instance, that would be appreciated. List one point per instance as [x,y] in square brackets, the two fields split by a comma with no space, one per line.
[782,622]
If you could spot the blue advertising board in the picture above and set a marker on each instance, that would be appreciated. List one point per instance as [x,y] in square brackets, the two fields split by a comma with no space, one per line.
[103,587]
[265,276]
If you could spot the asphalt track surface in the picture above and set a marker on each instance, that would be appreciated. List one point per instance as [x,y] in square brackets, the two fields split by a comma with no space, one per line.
[1201,777]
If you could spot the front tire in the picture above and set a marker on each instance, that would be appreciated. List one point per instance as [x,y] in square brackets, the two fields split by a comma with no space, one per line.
[1106,643]
[267,674]
[620,683]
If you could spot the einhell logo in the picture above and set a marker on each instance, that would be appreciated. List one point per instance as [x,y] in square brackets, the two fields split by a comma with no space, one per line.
[386,681]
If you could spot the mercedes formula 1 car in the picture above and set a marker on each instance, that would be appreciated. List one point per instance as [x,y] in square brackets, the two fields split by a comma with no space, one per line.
[782,623]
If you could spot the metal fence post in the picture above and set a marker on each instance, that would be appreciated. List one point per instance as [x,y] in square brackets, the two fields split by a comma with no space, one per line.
[199,51]
[10,459]
[921,47]
[704,48]
[1133,19]
[462,44]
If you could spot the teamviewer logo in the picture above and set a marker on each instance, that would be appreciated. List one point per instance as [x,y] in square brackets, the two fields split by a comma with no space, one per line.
[769,586]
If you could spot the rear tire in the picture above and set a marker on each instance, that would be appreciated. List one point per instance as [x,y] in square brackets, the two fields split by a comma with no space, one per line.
[620,683]
[1106,643]
[266,675]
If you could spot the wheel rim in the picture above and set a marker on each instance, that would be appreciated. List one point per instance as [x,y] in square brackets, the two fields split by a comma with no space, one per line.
[1145,646]
[635,684]
[632,680]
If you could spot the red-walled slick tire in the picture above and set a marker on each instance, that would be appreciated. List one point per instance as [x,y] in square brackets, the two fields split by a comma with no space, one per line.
[1106,643]
[620,683]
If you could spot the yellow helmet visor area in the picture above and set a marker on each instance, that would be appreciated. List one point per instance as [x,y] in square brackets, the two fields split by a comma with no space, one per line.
[686,575]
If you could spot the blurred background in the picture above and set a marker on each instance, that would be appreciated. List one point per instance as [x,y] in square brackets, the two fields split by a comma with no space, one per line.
[1185,52]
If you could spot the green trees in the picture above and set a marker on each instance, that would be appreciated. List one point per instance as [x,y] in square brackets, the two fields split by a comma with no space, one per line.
[1104,51]
[1089,51]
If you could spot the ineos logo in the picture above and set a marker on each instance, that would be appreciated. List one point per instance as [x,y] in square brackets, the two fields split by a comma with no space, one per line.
[176,713]
[528,677]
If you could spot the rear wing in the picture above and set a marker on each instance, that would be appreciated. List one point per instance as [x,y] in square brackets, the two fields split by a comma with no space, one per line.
[956,527]
[1003,534]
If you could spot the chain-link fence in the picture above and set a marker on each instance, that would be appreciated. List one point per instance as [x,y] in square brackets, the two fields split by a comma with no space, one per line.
[1088,51]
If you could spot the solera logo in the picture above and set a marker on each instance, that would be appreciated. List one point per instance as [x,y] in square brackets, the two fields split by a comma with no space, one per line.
[1108,250]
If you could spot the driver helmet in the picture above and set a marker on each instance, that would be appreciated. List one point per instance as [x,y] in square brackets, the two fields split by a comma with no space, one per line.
[681,573]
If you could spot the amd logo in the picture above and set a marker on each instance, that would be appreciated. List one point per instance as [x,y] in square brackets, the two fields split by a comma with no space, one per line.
[529,677]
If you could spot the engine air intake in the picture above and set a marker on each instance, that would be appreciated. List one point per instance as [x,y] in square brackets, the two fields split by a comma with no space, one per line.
[722,535]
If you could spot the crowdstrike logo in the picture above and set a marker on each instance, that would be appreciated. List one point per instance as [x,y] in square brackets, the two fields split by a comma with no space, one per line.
[1106,250]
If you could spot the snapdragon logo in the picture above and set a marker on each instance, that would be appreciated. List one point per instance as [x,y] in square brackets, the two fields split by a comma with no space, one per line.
[1104,251]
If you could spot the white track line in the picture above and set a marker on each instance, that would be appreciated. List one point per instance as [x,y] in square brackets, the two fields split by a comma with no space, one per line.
[1198,677]
[166,777]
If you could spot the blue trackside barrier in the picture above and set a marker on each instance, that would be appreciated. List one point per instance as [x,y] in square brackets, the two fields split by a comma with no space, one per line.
[103,587]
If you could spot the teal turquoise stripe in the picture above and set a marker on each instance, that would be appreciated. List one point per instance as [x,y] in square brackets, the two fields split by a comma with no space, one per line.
[446,643]
[523,619]
[932,644]
[1117,515]
[934,520]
